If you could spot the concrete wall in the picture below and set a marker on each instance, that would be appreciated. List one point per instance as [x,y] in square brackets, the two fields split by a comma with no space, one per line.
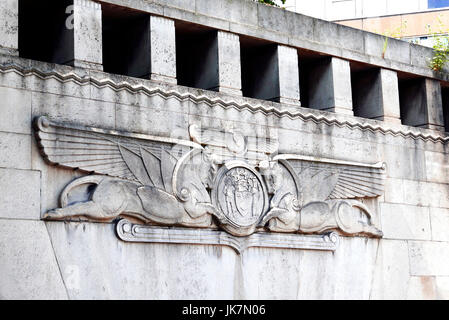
[84,260]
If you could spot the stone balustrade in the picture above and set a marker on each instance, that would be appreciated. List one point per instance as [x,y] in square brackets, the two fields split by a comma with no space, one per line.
[333,68]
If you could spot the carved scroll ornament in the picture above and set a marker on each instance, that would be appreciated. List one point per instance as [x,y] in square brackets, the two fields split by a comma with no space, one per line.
[220,180]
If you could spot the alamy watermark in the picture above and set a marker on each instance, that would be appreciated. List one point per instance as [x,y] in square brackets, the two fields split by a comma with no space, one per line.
[70,21]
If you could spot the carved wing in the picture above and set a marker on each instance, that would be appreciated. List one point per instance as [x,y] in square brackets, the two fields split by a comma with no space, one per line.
[326,179]
[145,159]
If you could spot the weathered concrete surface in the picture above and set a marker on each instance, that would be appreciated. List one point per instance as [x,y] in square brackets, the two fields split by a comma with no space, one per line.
[21,199]
[391,274]
[27,261]
[288,75]
[429,258]
[138,271]
[9,27]
[229,69]
[159,271]
[440,222]
[88,34]
[405,222]
[163,49]
[15,106]
[15,150]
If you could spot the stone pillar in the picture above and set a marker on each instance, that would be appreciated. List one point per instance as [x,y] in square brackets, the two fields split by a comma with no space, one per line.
[445,99]
[271,73]
[330,86]
[9,27]
[214,62]
[88,34]
[288,75]
[376,95]
[163,49]
[81,41]
[421,104]
[435,118]
[229,69]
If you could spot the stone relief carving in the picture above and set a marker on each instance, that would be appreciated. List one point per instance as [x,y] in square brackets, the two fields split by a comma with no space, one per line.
[131,232]
[314,195]
[219,180]
[239,193]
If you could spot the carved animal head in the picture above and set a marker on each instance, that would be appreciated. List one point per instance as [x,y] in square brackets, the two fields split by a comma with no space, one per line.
[273,175]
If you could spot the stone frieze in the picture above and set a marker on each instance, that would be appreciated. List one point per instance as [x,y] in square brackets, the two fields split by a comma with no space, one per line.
[219,181]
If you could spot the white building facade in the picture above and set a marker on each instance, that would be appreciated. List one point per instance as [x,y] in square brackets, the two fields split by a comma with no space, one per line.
[354,9]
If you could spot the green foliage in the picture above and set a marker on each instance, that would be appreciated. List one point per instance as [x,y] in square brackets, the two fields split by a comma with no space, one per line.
[440,46]
[395,33]
[270,2]
[440,53]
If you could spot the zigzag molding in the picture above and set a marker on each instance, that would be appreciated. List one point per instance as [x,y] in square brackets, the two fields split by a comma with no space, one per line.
[212,102]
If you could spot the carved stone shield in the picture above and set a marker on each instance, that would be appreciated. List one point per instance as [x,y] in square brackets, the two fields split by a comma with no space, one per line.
[240,194]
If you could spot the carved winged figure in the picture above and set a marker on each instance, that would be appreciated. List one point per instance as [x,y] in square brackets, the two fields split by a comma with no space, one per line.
[314,195]
[136,175]
[229,180]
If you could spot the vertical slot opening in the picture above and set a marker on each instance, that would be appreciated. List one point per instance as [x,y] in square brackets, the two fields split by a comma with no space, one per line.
[126,42]
[46,30]
[196,56]
[260,70]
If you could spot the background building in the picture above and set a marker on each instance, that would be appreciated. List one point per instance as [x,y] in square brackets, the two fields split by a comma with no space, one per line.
[405,19]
